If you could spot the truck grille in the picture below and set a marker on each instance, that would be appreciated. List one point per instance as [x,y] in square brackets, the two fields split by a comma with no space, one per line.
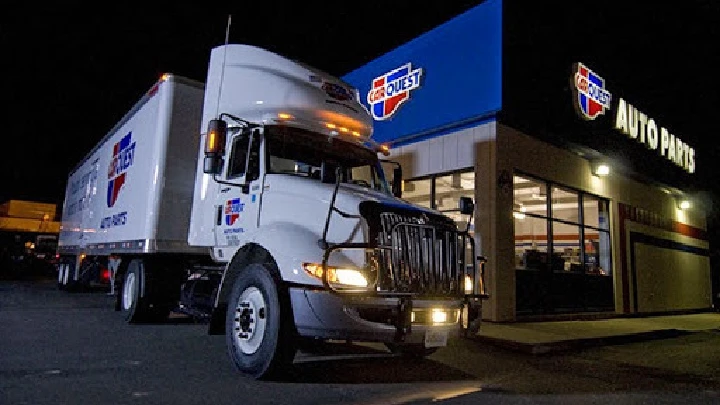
[420,255]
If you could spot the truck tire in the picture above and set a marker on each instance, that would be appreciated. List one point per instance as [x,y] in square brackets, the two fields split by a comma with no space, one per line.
[65,277]
[258,326]
[471,327]
[62,275]
[411,351]
[137,307]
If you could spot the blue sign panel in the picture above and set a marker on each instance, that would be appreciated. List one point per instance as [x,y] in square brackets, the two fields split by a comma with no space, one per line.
[448,76]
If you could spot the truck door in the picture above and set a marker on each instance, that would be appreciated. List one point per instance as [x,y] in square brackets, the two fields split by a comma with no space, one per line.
[239,198]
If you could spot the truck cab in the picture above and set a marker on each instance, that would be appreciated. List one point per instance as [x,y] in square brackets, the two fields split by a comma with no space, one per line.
[258,202]
[292,197]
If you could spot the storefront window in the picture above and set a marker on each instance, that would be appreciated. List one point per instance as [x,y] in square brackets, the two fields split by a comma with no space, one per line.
[567,250]
[595,212]
[442,193]
[565,205]
[597,252]
[530,242]
[449,189]
[566,241]
[530,196]
[578,222]
[418,192]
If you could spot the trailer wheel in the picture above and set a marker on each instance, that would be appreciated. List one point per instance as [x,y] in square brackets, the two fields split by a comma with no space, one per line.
[134,305]
[65,278]
[61,270]
[258,325]
[414,350]
[130,299]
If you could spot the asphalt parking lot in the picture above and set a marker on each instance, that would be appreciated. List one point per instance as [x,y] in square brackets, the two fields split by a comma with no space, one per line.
[58,347]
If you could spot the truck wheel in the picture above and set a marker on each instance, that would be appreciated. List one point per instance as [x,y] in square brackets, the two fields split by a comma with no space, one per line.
[65,278]
[414,350]
[134,306]
[130,300]
[137,308]
[62,271]
[258,325]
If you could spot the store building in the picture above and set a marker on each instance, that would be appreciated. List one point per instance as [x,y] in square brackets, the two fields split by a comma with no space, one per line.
[530,134]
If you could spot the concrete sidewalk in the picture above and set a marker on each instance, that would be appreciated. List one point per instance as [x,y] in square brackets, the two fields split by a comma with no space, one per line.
[554,336]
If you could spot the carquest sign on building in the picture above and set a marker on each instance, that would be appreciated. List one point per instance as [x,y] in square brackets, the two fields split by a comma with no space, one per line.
[581,195]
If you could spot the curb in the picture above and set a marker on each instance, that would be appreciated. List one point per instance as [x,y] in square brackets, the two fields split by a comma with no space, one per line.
[583,343]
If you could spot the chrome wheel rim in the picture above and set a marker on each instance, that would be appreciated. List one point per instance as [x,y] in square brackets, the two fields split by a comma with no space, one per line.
[250,321]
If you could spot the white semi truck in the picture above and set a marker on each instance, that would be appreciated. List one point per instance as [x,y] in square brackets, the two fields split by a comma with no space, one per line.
[258,202]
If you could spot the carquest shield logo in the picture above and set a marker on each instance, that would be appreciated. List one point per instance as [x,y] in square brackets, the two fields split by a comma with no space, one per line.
[592,97]
[233,208]
[392,89]
[122,158]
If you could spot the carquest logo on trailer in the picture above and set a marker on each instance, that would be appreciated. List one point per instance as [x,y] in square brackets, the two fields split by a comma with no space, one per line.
[122,158]
[392,89]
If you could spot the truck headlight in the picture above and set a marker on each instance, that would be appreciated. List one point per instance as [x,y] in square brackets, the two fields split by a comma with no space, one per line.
[345,276]
[468,285]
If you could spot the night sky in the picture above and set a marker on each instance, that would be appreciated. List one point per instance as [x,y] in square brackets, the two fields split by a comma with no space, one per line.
[70,73]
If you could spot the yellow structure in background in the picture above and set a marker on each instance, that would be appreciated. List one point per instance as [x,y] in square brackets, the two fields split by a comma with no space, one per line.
[28,216]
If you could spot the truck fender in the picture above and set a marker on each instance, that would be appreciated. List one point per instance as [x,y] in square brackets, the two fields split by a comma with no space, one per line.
[248,254]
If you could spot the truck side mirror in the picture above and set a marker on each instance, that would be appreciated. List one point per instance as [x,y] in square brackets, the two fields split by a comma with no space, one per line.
[328,172]
[396,184]
[215,146]
[466,205]
[397,181]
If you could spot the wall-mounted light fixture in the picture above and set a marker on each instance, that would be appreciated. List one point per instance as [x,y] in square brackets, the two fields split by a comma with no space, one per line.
[684,204]
[600,168]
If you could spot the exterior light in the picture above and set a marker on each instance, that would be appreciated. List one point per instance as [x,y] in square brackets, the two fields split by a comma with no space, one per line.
[684,204]
[601,169]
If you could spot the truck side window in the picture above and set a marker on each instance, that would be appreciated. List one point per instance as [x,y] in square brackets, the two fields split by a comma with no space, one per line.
[238,156]
[254,163]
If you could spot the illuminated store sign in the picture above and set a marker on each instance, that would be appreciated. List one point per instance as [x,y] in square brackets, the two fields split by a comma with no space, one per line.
[392,89]
[592,99]
[635,124]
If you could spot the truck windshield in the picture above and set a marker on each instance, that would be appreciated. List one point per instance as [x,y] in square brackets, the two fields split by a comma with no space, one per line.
[301,152]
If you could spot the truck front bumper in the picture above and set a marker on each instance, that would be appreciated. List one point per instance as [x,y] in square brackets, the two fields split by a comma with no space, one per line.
[322,314]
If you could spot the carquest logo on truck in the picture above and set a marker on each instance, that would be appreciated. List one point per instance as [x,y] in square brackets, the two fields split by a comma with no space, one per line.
[392,89]
[122,158]
[233,208]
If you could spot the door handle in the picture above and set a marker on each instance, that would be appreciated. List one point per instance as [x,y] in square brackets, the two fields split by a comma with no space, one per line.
[225,189]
